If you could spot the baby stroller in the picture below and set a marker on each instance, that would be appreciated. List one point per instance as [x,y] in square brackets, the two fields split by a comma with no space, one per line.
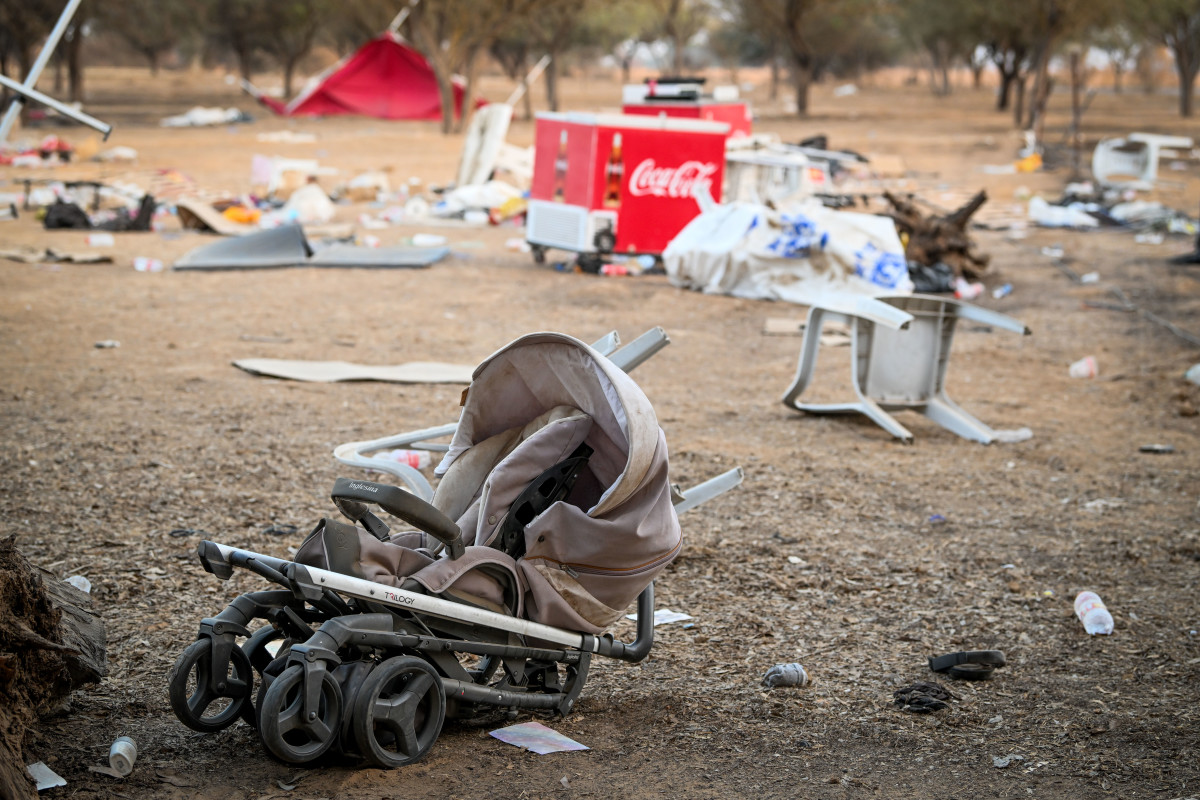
[553,513]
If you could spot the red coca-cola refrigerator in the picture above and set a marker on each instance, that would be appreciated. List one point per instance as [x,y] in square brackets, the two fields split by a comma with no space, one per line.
[615,183]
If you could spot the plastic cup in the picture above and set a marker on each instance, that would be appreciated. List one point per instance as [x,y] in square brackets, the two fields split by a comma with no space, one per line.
[122,754]
[1084,368]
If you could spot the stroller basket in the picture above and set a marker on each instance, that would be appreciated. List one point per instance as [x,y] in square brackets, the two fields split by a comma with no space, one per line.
[369,640]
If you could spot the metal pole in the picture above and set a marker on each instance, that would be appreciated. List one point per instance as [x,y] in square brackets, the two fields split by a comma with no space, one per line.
[523,86]
[62,108]
[35,72]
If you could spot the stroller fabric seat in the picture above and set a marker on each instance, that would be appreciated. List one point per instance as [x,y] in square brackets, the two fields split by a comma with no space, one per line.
[530,406]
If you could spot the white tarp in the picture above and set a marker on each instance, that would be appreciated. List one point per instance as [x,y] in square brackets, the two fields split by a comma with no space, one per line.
[798,255]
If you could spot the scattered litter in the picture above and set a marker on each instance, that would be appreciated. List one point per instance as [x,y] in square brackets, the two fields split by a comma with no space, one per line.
[122,154]
[795,560]
[1193,374]
[81,583]
[122,755]
[937,519]
[1083,368]
[201,116]
[536,738]
[106,344]
[517,245]
[334,371]
[198,215]
[1053,251]
[1002,291]
[1103,504]
[969,665]
[1149,238]
[1012,436]
[1048,216]
[1156,448]
[143,264]
[566,784]
[100,240]
[279,530]
[1000,762]
[786,675]
[33,255]
[663,616]
[964,290]
[428,240]
[923,697]
[1089,277]
[286,137]
[845,90]
[44,777]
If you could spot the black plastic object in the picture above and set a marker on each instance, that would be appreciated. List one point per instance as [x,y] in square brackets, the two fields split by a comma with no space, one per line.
[968,665]
[398,713]
[546,489]
[207,697]
[350,495]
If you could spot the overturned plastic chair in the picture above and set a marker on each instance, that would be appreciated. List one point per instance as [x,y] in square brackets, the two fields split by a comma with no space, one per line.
[899,362]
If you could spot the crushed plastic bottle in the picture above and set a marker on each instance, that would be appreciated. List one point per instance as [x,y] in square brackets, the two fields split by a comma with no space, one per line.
[1093,614]
[417,459]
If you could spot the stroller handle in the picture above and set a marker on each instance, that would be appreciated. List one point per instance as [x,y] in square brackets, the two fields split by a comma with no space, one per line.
[349,496]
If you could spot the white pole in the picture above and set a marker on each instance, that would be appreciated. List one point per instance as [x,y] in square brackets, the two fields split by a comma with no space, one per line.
[542,63]
[35,72]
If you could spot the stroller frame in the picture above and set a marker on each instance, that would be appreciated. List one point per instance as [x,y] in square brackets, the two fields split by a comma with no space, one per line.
[382,671]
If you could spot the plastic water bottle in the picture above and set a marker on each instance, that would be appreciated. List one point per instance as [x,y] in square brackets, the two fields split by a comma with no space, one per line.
[1093,614]
[417,459]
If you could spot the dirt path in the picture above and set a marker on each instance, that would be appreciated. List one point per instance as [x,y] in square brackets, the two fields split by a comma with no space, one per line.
[899,552]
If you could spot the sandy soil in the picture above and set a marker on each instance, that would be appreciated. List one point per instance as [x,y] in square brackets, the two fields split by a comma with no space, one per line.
[107,451]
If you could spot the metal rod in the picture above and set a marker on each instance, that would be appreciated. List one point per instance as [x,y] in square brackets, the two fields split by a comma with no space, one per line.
[35,72]
[523,86]
[62,108]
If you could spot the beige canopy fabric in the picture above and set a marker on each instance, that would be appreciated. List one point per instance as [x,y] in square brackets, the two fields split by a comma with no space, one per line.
[587,557]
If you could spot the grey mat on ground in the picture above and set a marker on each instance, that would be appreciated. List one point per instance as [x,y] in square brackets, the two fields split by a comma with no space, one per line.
[332,371]
[287,246]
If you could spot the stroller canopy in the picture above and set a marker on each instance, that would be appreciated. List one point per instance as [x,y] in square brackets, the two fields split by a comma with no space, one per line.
[542,371]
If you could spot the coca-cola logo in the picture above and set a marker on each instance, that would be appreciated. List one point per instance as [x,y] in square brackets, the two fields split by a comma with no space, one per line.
[686,180]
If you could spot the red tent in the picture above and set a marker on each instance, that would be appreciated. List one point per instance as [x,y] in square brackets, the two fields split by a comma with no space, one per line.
[385,79]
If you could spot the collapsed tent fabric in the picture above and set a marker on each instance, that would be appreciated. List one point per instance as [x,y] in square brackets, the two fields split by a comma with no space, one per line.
[286,246]
[385,79]
[796,254]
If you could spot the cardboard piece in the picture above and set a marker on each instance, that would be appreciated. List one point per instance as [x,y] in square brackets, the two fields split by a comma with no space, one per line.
[334,371]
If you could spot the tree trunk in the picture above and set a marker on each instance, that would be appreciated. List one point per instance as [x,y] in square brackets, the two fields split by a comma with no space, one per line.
[1118,73]
[552,83]
[1019,105]
[1186,63]
[1007,79]
[803,78]
[289,70]
[75,65]
[1076,116]
[243,59]
[977,75]
[152,58]
[50,644]
[775,79]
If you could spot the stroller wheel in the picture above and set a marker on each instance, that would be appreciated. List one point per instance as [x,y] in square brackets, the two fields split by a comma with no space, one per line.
[399,712]
[195,701]
[260,658]
[281,723]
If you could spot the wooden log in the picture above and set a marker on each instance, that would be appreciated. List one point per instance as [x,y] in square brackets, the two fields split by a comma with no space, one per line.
[51,643]
[940,238]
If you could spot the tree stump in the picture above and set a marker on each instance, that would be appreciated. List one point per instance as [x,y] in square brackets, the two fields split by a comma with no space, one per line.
[51,643]
[941,238]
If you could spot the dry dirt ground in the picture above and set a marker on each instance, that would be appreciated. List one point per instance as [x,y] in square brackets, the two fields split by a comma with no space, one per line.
[105,452]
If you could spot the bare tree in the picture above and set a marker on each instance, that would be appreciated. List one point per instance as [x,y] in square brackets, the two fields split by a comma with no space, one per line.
[1176,23]
[290,36]
[150,27]
[453,34]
